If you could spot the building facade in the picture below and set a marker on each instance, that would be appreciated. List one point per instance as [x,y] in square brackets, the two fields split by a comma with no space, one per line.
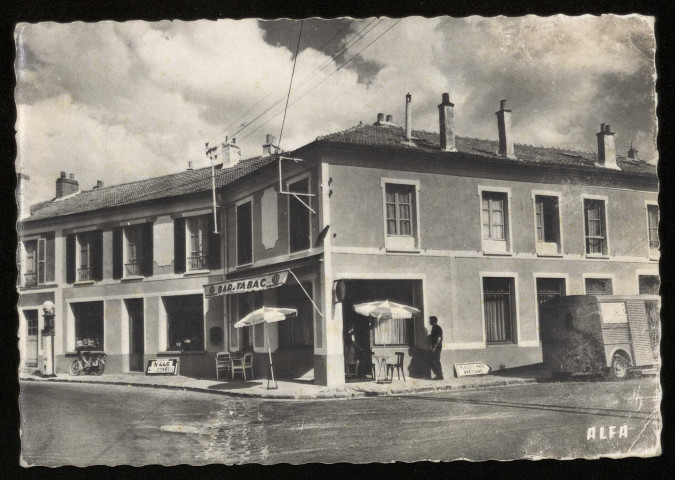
[475,232]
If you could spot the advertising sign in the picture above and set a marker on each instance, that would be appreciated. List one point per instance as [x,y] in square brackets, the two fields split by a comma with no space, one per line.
[614,312]
[254,284]
[469,369]
[162,366]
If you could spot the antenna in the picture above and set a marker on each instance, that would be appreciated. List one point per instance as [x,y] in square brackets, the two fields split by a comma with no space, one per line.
[210,152]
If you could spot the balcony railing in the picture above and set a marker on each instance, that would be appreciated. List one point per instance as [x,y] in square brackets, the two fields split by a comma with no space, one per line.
[30,279]
[133,269]
[85,274]
[198,262]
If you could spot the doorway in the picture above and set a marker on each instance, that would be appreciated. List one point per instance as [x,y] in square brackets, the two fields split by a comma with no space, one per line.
[547,289]
[136,334]
[31,317]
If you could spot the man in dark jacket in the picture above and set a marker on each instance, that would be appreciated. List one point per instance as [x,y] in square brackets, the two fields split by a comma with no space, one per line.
[436,344]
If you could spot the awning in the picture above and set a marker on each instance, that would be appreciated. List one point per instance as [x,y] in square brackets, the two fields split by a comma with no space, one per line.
[252,284]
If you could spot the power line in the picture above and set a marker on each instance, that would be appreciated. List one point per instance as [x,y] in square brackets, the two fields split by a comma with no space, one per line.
[297,49]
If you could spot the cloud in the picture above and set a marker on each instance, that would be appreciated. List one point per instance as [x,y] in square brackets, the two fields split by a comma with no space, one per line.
[123,101]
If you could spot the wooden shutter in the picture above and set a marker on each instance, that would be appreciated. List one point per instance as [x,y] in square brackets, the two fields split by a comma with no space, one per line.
[179,245]
[50,259]
[146,249]
[41,253]
[70,258]
[214,246]
[97,255]
[118,253]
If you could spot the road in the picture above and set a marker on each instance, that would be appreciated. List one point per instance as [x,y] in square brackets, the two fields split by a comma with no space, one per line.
[76,424]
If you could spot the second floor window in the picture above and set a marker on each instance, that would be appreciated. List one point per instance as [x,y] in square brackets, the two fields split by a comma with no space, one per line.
[198,233]
[84,256]
[400,216]
[596,227]
[547,224]
[653,225]
[244,234]
[196,246]
[495,221]
[133,251]
[38,261]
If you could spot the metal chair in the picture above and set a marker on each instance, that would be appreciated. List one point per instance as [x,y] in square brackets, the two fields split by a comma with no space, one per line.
[398,366]
[223,363]
[242,364]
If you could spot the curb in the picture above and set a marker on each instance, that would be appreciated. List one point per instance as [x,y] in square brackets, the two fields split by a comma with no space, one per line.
[334,395]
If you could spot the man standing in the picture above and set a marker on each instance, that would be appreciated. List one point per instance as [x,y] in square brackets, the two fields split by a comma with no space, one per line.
[436,343]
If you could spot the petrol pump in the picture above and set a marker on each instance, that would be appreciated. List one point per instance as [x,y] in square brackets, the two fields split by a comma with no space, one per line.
[48,310]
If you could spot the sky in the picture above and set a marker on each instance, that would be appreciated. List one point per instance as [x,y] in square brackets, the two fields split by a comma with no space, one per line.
[120,102]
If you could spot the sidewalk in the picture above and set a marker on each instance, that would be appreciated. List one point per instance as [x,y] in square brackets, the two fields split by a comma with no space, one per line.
[298,389]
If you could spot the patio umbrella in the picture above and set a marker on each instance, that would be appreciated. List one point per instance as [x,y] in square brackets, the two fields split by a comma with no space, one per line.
[266,315]
[385,309]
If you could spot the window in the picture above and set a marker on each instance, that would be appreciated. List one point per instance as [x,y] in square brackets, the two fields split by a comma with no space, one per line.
[598,286]
[244,234]
[196,245]
[549,288]
[88,325]
[498,299]
[84,256]
[648,284]
[299,218]
[31,322]
[198,232]
[297,331]
[38,261]
[400,216]
[30,277]
[132,265]
[596,227]
[185,320]
[547,224]
[653,224]
[495,221]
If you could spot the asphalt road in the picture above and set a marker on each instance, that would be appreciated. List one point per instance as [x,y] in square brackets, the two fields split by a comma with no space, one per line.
[75,424]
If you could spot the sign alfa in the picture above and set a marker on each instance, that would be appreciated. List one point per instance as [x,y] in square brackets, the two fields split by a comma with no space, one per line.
[163,366]
[474,368]
[253,284]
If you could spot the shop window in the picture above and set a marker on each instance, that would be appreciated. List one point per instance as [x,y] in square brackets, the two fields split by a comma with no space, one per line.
[84,256]
[297,331]
[298,217]
[400,216]
[495,222]
[596,227]
[649,284]
[185,321]
[653,225]
[547,224]
[38,261]
[598,286]
[196,246]
[499,307]
[88,325]
[244,234]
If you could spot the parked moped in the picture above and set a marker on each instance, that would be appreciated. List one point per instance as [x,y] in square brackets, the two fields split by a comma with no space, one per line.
[88,363]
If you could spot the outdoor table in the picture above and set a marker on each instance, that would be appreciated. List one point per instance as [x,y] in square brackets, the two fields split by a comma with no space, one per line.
[381,362]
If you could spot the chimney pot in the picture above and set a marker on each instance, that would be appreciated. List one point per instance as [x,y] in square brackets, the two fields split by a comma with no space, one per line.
[63,174]
[602,127]
[189,164]
[390,119]
[380,117]
[269,147]
[504,126]
[632,152]
[607,128]
[269,139]
[72,176]
[99,183]
[445,98]
[502,104]
[446,120]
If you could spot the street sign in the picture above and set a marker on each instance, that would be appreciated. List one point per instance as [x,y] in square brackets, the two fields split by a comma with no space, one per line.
[469,369]
[162,366]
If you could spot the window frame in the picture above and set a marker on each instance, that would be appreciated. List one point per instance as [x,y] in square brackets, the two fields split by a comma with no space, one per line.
[540,246]
[289,183]
[515,307]
[599,276]
[653,253]
[645,273]
[488,246]
[397,243]
[604,199]
[238,204]
[203,234]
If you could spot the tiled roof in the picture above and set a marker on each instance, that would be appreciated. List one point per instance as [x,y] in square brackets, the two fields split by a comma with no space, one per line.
[391,136]
[167,186]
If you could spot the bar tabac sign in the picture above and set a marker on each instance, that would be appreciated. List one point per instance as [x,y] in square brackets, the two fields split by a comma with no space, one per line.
[254,284]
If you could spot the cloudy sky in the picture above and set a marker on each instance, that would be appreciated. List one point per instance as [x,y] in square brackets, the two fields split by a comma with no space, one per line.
[124,101]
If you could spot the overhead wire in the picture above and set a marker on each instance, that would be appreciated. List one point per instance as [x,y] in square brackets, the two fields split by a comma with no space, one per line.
[290,85]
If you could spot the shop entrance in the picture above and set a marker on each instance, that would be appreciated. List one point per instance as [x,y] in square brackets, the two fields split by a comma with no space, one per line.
[31,317]
[136,334]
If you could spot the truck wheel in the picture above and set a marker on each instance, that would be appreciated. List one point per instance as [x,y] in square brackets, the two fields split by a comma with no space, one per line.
[619,369]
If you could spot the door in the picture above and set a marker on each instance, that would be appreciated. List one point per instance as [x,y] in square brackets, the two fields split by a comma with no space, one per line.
[548,288]
[31,317]
[136,334]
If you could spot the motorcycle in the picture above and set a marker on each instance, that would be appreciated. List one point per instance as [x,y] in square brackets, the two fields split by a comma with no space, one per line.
[88,363]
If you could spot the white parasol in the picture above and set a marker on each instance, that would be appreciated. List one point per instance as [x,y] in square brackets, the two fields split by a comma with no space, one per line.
[385,309]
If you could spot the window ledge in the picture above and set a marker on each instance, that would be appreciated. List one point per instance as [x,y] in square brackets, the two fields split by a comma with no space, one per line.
[37,287]
[554,255]
[196,272]
[498,254]
[403,250]
[132,278]
[243,266]
[600,256]
[502,345]
[85,282]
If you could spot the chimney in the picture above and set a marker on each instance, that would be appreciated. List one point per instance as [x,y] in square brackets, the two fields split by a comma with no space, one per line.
[390,119]
[189,165]
[269,147]
[66,186]
[446,119]
[22,207]
[380,119]
[632,152]
[606,148]
[504,125]
[99,184]
[231,153]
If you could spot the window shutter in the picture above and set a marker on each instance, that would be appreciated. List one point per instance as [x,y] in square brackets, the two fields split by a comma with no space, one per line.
[179,245]
[97,255]
[50,259]
[70,258]
[117,253]
[42,250]
[214,246]
[146,252]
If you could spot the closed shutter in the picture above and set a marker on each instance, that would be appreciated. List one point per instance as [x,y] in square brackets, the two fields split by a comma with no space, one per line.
[97,255]
[214,246]
[179,245]
[70,258]
[50,259]
[117,253]
[42,250]
[146,252]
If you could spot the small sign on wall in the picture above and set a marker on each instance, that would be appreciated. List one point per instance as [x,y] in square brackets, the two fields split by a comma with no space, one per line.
[470,369]
[162,366]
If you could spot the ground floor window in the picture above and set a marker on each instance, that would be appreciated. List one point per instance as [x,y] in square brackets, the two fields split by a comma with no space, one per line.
[296,331]
[598,286]
[649,284]
[88,325]
[498,299]
[548,288]
[185,320]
